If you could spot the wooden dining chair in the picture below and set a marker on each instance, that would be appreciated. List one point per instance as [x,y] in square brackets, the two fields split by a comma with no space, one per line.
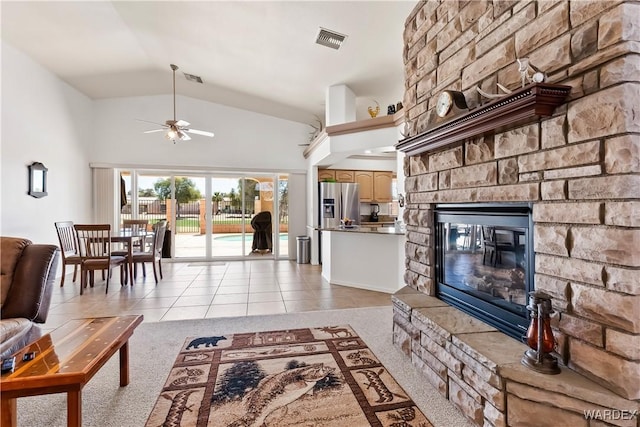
[94,244]
[68,248]
[136,226]
[155,253]
[133,226]
[496,245]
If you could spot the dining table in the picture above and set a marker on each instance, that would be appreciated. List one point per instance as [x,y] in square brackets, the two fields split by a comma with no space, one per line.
[128,237]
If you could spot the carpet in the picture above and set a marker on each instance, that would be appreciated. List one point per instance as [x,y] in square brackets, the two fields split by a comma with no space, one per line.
[154,346]
[320,376]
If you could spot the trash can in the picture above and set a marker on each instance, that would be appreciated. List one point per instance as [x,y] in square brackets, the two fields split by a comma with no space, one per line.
[303,253]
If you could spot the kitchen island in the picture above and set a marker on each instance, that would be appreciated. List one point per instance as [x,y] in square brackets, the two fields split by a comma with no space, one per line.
[364,257]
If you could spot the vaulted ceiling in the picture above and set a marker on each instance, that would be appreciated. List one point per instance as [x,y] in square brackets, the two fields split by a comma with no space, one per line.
[255,55]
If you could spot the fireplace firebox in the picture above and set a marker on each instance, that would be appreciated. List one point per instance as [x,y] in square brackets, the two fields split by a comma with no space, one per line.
[484,262]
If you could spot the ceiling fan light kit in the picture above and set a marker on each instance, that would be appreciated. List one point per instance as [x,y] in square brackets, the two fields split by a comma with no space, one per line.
[177,129]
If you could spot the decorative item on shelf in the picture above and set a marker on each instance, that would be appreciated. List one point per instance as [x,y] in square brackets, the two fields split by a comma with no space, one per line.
[373,112]
[528,74]
[399,106]
[494,95]
[450,102]
[525,67]
[316,131]
[391,109]
[540,337]
[37,180]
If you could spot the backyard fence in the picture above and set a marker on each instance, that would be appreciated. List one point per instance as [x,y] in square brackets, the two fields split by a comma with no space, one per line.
[226,219]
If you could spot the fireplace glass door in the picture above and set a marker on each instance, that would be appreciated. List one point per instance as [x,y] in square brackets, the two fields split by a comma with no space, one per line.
[484,262]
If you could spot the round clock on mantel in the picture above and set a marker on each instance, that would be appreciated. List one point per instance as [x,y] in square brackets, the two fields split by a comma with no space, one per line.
[449,99]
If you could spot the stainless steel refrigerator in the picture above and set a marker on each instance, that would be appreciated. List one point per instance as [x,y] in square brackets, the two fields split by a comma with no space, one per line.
[339,200]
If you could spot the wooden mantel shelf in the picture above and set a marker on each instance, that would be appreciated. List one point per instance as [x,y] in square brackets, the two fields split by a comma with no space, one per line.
[518,108]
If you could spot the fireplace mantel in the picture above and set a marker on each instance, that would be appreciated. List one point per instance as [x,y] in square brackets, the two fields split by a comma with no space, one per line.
[518,108]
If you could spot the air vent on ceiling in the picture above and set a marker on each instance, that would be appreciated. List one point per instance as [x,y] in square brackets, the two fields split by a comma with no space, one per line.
[193,78]
[330,38]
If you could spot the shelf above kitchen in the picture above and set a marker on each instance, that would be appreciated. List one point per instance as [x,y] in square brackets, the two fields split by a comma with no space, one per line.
[376,123]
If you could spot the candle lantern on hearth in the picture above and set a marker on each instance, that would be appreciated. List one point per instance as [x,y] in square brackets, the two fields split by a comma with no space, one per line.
[540,336]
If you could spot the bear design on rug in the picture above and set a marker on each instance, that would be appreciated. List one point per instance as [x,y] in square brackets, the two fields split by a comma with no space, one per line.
[207,341]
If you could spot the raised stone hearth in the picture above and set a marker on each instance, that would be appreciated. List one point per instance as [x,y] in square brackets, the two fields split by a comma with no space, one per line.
[578,165]
[479,370]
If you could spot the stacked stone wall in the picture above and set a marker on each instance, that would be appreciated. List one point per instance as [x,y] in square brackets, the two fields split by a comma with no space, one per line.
[479,370]
[580,167]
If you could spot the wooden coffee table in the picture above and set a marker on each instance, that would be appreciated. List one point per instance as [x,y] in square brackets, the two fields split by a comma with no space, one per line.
[66,359]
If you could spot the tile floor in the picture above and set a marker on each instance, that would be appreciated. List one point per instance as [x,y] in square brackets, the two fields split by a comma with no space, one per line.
[199,290]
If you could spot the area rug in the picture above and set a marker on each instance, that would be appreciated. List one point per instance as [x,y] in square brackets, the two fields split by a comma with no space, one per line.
[321,376]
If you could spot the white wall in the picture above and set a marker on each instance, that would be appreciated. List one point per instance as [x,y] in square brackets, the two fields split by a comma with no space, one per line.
[43,120]
[243,139]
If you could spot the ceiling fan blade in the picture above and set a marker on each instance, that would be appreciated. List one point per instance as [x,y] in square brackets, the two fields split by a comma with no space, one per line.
[175,129]
[155,123]
[200,132]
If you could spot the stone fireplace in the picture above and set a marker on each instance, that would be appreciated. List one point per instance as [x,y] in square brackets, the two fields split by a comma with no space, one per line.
[484,263]
[576,164]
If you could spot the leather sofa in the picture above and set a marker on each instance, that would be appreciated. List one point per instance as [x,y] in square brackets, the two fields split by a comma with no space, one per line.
[27,273]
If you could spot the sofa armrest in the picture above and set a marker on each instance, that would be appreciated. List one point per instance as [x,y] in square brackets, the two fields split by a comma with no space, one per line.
[30,292]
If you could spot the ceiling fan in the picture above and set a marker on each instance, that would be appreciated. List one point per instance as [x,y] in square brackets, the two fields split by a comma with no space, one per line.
[176,129]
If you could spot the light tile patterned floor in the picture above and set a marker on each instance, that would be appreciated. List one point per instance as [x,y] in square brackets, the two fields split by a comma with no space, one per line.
[204,290]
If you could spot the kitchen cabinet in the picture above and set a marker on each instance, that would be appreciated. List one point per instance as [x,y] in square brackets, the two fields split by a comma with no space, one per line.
[365,179]
[375,186]
[345,176]
[382,186]
[326,174]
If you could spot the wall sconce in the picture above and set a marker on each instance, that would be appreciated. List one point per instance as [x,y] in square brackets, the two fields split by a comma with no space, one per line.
[540,336]
[37,180]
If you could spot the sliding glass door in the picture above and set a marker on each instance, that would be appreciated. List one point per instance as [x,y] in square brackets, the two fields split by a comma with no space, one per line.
[243,216]
[188,212]
[212,215]
[283,216]
[149,201]
[231,216]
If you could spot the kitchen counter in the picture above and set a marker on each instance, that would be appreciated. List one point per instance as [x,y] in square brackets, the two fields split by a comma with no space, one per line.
[377,224]
[364,257]
[365,229]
